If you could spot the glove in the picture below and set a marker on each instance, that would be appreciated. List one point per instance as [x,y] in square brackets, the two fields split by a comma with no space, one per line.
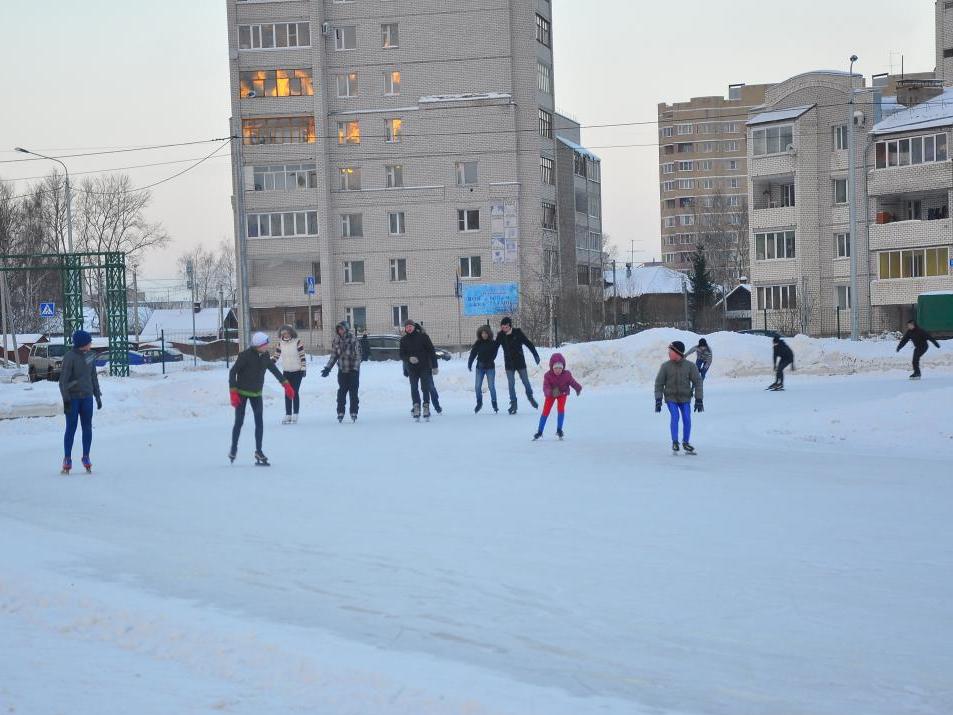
[898,348]
[658,405]
[289,390]
[406,374]
[66,406]
[578,391]
[435,371]
[325,372]
[470,368]
[99,402]
[699,407]
[537,362]
[236,400]
[414,360]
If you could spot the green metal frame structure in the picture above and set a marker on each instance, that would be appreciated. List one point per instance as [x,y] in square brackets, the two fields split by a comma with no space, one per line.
[71,267]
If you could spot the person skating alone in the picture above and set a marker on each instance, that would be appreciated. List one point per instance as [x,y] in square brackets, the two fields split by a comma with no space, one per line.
[678,380]
[783,356]
[484,352]
[79,386]
[703,361]
[346,352]
[417,352]
[293,363]
[512,340]
[557,383]
[920,339]
[246,380]
[365,347]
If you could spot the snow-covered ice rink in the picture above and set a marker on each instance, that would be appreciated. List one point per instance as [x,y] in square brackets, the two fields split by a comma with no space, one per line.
[800,565]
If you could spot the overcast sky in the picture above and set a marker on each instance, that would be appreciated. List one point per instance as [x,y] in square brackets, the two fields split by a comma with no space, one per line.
[112,73]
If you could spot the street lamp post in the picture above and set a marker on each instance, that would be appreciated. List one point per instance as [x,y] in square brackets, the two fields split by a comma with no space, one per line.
[68,194]
[852,207]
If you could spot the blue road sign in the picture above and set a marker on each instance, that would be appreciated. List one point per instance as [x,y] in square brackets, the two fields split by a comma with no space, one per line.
[309,285]
[47,310]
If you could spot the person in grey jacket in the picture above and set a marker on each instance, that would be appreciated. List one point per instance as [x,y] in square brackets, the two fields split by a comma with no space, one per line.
[79,387]
[703,361]
[677,382]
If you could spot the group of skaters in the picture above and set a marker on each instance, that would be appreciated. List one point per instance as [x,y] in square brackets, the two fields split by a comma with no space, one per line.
[679,381]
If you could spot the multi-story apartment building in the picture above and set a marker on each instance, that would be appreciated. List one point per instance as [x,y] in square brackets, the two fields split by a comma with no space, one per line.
[703,176]
[944,41]
[800,242]
[403,168]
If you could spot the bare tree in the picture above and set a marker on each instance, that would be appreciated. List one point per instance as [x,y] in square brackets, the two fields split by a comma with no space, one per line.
[722,224]
[211,271]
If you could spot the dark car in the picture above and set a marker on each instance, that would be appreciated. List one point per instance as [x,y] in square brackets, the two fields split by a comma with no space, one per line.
[135,358]
[156,355]
[765,333]
[387,347]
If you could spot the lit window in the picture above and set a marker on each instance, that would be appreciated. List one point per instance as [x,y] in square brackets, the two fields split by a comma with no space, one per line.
[349,178]
[275,83]
[349,132]
[392,82]
[392,130]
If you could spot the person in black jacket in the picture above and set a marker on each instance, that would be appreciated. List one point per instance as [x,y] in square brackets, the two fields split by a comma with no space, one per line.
[418,354]
[246,380]
[484,352]
[783,356]
[512,340]
[365,347]
[919,337]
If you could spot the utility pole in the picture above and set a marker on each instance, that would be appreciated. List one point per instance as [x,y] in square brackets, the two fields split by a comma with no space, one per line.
[3,314]
[190,272]
[241,254]
[135,299]
[615,302]
[852,206]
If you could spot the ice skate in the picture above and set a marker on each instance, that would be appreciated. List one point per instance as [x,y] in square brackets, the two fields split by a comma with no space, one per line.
[479,406]
[674,447]
[426,413]
[512,409]
[294,419]
[415,413]
[560,433]
[437,408]
[533,402]
[340,417]
[537,436]
[231,455]
[353,417]
[772,386]
[687,448]
[286,420]
[67,466]
[87,465]
[495,406]
[261,460]
[915,376]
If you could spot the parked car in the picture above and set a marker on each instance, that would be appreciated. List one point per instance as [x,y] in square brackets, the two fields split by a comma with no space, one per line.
[387,347]
[765,333]
[158,356]
[46,361]
[135,358]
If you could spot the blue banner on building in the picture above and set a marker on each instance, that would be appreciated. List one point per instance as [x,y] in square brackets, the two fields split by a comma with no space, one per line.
[490,299]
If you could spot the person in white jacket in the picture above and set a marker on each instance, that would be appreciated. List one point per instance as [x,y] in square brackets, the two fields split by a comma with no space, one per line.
[290,358]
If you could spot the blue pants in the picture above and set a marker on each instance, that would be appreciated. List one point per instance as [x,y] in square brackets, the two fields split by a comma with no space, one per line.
[702,367]
[511,382]
[683,409]
[80,412]
[490,376]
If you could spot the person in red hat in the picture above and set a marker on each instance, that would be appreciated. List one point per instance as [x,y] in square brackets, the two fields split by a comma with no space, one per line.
[557,383]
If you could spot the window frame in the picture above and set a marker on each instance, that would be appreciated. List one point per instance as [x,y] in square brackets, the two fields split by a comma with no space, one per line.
[465,222]
[470,263]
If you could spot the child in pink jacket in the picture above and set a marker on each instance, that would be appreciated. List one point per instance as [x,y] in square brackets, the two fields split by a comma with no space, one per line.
[556,385]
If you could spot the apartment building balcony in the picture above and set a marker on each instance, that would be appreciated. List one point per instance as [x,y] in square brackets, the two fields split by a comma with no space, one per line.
[772,165]
[908,220]
[773,202]
[919,177]
[910,234]
[904,291]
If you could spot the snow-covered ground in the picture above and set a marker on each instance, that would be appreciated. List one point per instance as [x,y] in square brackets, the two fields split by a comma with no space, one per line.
[800,564]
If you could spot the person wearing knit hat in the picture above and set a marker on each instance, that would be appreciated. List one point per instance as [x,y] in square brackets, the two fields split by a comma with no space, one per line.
[703,361]
[419,356]
[678,380]
[346,353]
[557,384]
[79,387]
[246,380]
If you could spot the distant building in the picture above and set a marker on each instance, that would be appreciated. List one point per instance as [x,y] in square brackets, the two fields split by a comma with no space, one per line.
[641,297]
[177,324]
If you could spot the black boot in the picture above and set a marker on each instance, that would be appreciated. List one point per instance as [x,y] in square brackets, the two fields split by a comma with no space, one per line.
[479,406]
[533,403]
[495,407]
[512,409]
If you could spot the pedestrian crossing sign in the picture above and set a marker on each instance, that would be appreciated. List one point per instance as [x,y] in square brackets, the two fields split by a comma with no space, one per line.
[47,310]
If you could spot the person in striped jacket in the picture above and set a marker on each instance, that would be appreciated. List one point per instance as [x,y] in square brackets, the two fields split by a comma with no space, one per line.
[293,363]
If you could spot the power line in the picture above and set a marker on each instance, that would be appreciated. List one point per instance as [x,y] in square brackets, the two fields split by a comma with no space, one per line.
[118,151]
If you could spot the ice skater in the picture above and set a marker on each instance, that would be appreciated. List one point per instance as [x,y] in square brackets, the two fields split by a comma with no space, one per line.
[703,361]
[484,352]
[557,383]
[512,340]
[346,352]
[783,356]
[920,339]
[293,362]
[417,352]
[79,386]
[246,380]
[677,382]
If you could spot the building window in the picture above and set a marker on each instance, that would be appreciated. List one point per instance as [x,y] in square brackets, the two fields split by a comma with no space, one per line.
[345,38]
[913,150]
[686,165]
[468,219]
[544,78]
[470,267]
[595,206]
[356,318]
[352,225]
[772,140]
[547,171]
[353,271]
[392,130]
[579,165]
[392,83]
[349,132]
[285,177]
[316,272]
[781,297]
[347,84]
[731,165]
[349,178]
[543,32]
[281,225]
[466,173]
[842,245]
[731,146]
[668,131]
[274,35]
[393,176]
[395,223]
[839,188]
[545,124]
[685,148]
[400,315]
[389,36]
[398,269]
[278,130]
[842,295]
[840,137]
[735,183]
[275,83]
[549,216]
[668,168]
[582,275]
[684,129]
[774,246]
[914,264]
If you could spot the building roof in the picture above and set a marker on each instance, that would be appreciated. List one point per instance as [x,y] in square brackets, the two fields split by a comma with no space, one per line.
[779,115]
[22,339]
[645,280]
[179,321]
[578,148]
[740,286]
[469,97]
[935,112]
